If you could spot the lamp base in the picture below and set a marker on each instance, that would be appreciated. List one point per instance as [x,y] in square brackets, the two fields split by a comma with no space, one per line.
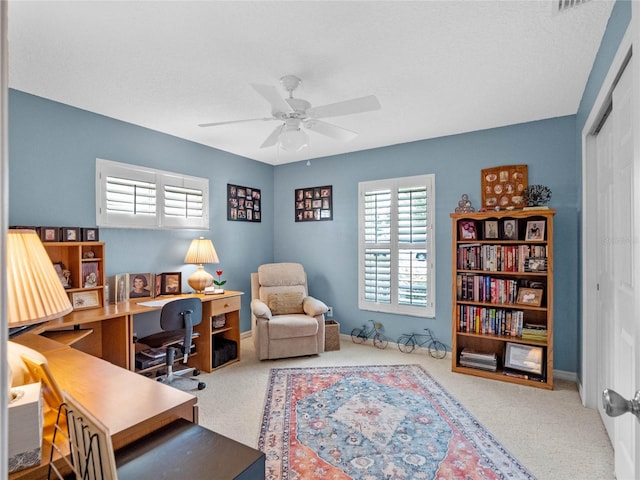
[200,279]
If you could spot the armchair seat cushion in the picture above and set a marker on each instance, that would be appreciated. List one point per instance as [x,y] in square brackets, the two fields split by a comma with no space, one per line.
[292,326]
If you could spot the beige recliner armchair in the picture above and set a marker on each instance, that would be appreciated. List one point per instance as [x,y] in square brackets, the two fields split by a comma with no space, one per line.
[286,321]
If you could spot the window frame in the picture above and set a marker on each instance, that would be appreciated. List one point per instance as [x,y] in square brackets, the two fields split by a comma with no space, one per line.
[161,179]
[394,185]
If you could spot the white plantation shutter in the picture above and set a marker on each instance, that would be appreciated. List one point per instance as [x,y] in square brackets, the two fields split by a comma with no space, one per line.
[131,196]
[396,243]
[128,196]
[185,202]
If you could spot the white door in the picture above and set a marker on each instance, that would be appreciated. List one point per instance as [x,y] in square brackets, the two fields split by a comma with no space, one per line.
[604,265]
[625,264]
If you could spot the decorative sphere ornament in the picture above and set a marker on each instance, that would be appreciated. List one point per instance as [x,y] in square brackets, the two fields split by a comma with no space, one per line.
[536,195]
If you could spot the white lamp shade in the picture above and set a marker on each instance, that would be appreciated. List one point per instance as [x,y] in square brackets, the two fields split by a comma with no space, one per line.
[34,291]
[201,251]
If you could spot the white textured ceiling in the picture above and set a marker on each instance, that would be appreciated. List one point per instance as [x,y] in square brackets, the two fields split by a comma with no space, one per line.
[437,67]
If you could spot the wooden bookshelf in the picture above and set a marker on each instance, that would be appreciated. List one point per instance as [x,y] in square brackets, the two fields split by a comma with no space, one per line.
[503,283]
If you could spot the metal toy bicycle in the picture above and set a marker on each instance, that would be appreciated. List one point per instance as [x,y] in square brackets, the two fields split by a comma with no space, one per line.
[407,343]
[360,335]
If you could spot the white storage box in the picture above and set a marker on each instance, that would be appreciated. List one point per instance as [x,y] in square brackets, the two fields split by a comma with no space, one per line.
[25,427]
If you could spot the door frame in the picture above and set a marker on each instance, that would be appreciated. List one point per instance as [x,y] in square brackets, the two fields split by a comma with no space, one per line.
[587,380]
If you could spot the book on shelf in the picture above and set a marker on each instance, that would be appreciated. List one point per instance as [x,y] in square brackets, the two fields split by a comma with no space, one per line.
[159,352]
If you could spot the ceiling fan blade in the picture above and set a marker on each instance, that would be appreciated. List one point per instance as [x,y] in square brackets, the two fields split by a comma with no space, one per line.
[348,107]
[273,138]
[271,95]
[215,124]
[330,130]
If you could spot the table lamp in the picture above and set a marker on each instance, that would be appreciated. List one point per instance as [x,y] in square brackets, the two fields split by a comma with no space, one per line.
[34,292]
[201,251]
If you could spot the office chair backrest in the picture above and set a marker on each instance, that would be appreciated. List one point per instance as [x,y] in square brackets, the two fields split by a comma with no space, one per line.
[91,448]
[182,313]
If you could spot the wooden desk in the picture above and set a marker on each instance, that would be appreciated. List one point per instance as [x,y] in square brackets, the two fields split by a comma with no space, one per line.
[112,337]
[129,404]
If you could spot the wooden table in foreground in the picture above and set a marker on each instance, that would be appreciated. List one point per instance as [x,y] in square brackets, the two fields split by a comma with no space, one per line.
[130,405]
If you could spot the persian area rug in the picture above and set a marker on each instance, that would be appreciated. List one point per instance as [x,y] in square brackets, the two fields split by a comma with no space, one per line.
[374,422]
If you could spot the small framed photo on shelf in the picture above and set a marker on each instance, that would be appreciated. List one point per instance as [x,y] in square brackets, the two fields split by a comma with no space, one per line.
[524,358]
[530,296]
[89,234]
[50,234]
[468,230]
[88,299]
[491,230]
[70,234]
[170,283]
[510,229]
[535,264]
[535,231]
[90,274]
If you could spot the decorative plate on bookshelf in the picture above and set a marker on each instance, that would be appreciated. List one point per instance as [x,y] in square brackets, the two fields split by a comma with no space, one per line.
[504,186]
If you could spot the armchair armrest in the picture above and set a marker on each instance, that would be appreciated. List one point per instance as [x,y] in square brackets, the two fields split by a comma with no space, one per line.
[260,309]
[313,306]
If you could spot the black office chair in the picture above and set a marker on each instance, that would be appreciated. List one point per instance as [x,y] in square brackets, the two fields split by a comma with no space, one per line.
[177,320]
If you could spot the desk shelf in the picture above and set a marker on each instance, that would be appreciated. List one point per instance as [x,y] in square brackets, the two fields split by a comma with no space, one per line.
[81,259]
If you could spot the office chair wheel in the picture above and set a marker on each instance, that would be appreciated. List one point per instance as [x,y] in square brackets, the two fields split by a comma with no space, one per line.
[201,385]
[196,372]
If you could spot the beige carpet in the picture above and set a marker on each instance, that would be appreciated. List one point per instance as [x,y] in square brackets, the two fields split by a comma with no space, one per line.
[548,431]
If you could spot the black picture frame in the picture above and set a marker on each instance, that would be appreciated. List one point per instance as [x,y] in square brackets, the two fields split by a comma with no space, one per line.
[491,231]
[71,234]
[49,234]
[524,358]
[90,234]
[170,283]
[244,204]
[509,229]
[313,204]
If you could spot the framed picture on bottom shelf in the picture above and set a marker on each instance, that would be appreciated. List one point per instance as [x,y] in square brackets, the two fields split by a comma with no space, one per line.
[524,358]
[85,299]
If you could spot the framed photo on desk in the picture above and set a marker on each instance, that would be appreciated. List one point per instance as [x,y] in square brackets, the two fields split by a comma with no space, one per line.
[170,283]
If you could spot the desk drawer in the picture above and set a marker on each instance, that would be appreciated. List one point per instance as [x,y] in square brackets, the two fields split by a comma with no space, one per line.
[225,305]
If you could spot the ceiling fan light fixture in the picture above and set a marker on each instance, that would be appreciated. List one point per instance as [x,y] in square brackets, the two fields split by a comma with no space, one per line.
[293,139]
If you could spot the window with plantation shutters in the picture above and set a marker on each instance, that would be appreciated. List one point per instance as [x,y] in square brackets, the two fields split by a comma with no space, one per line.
[129,196]
[396,245]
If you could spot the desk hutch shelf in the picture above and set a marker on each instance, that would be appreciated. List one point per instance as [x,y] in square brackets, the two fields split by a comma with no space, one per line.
[81,259]
[492,262]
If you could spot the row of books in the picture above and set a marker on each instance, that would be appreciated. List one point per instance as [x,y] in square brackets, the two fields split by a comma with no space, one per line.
[490,321]
[482,360]
[501,258]
[483,288]
[532,331]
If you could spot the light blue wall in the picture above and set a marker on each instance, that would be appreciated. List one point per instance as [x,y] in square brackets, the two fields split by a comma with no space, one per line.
[329,250]
[52,152]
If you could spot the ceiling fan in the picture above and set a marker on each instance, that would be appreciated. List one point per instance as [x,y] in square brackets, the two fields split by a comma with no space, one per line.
[296,113]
